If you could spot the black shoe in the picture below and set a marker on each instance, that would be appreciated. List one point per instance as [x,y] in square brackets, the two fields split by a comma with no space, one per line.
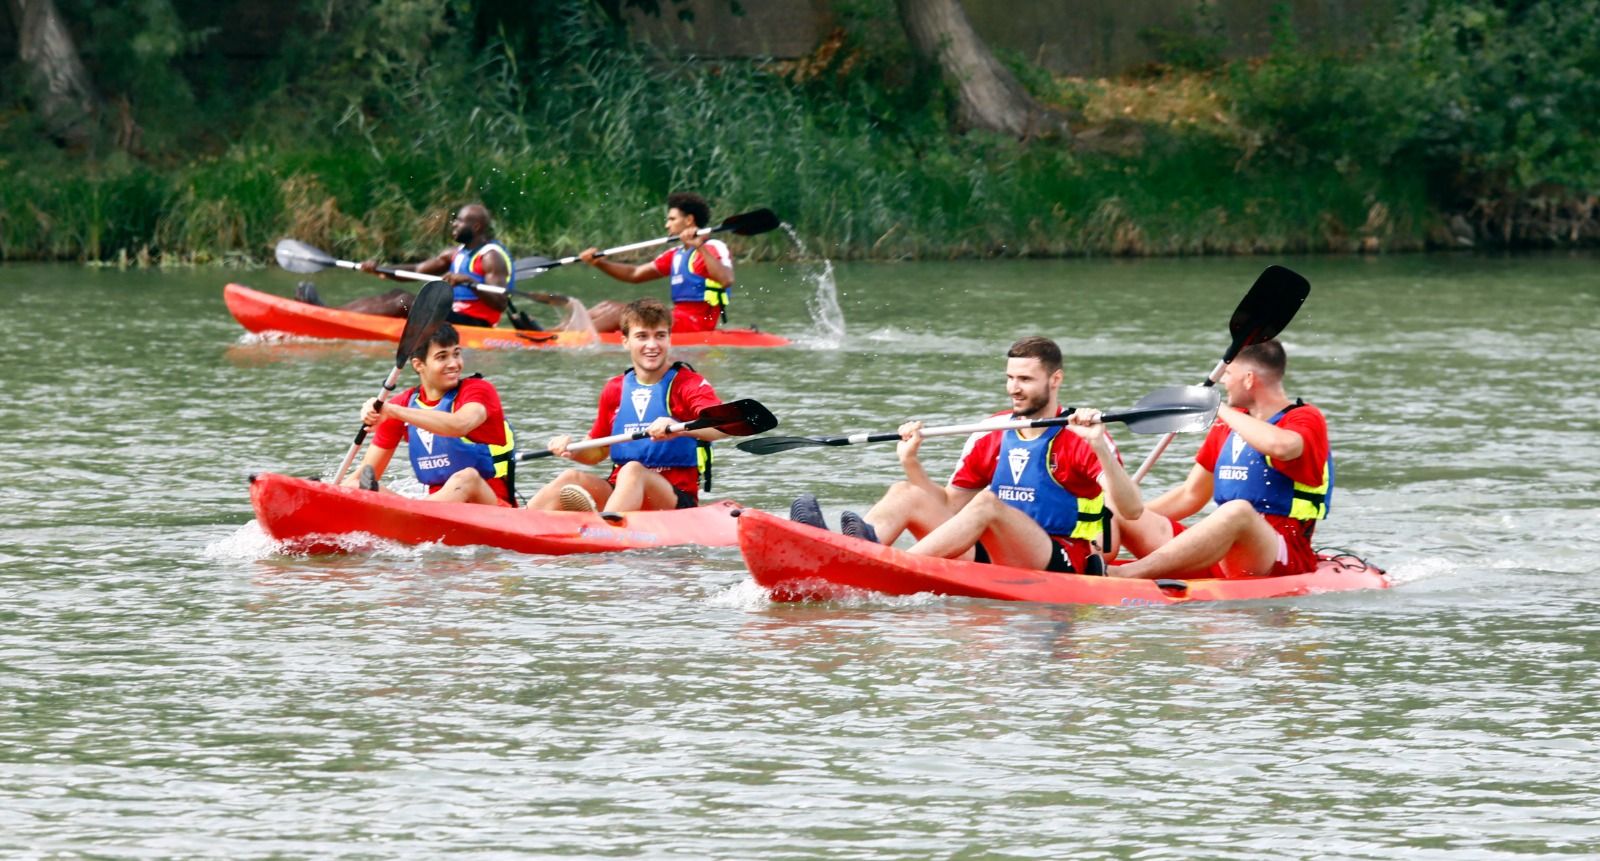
[365,479]
[851,524]
[805,509]
[1094,565]
[306,292]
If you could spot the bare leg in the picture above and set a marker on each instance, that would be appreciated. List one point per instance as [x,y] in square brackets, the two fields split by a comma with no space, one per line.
[1010,537]
[1144,536]
[395,303]
[907,506]
[641,489]
[465,486]
[1234,535]
[607,315]
[547,499]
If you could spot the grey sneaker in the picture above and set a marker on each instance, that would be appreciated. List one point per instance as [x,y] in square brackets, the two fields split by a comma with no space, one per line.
[365,479]
[805,509]
[306,292]
[852,524]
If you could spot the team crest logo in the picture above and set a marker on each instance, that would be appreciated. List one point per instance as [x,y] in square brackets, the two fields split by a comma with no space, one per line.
[1238,446]
[427,439]
[641,400]
[1018,459]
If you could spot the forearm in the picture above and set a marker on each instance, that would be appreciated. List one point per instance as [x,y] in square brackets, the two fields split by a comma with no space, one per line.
[1121,492]
[455,424]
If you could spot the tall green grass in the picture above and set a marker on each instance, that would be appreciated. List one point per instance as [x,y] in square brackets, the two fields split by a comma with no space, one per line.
[582,146]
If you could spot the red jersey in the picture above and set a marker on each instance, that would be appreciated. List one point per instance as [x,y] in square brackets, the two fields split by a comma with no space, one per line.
[1312,426]
[690,393]
[471,390]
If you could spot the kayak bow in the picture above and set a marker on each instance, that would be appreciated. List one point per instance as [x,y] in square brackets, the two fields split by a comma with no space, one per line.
[312,513]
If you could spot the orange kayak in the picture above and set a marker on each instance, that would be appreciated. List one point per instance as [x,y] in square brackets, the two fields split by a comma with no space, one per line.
[265,312]
[312,514]
[800,563]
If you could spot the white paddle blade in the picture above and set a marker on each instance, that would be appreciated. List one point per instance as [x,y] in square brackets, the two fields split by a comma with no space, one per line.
[296,256]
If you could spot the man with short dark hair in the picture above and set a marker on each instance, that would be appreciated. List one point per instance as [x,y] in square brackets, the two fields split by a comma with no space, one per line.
[1267,465]
[701,269]
[1030,498]
[662,472]
[461,446]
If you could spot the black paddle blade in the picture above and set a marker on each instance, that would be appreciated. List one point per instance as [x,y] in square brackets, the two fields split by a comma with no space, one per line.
[749,223]
[1267,308]
[1178,409]
[428,310]
[296,256]
[738,418]
[775,444]
[533,267]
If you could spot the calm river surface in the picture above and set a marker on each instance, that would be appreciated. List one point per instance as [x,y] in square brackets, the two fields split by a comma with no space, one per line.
[174,686]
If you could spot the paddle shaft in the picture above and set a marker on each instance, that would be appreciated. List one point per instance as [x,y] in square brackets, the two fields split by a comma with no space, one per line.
[541,265]
[361,432]
[1166,439]
[1007,424]
[604,441]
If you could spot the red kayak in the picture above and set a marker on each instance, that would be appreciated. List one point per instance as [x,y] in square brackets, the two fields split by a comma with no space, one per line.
[802,563]
[312,513]
[264,312]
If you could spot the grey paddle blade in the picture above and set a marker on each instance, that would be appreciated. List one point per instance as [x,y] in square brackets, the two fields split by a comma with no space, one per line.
[1176,409]
[533,267]
[296,256]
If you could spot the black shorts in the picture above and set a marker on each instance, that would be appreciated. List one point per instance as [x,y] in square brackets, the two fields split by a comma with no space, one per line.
[1059,563]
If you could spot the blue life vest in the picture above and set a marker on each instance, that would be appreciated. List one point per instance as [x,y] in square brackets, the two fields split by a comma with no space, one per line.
[463,262]
[1244,473]
[640,406]
[435,458]
[689,287]
[1024,478]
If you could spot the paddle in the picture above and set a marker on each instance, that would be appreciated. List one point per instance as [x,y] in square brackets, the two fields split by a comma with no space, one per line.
[1178,409]
[737,418]
[296,256]
[432,305]
[1261,315]
[743,224]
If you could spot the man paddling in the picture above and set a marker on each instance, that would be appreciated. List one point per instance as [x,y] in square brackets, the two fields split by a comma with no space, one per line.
[662,472]
[479,260]
[1267,465]
[701,269]
[455,430]
[1031,498]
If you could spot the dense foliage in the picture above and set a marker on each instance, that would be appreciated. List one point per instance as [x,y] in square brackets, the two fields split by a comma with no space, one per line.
[360,123]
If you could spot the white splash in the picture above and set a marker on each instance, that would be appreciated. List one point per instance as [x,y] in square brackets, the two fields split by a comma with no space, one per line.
[827,318]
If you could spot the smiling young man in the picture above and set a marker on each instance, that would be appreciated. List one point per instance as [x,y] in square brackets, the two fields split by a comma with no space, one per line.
[662,472]
[1266,464]
[1031,498]
[480,260]
[701,269]
[455,430]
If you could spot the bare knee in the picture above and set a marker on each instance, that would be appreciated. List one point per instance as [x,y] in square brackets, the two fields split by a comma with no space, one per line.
[631,471]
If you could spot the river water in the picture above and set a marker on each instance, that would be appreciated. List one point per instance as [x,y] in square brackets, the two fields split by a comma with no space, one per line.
[173,685]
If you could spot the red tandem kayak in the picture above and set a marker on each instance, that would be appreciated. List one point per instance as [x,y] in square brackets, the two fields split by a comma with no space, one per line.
[312,513]
[801,563]
[265,312]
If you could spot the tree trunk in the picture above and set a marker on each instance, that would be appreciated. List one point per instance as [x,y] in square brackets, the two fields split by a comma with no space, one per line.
[57,79]
[988,96]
